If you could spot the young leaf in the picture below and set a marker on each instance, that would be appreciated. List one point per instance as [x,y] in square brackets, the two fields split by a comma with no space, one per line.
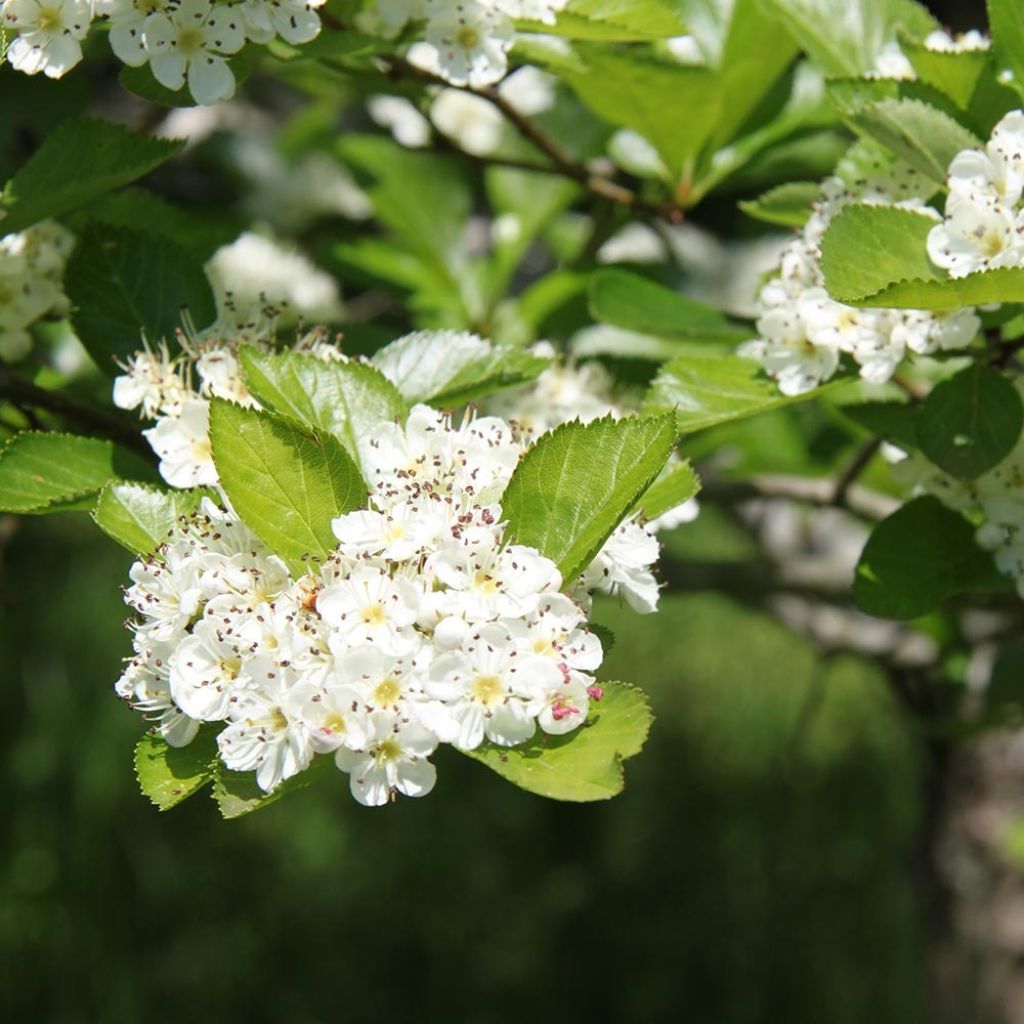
[81,159]
[237,793]
[921,554]
[638,304]
[168,775]
[971,422]
[955,74]
[788,205]
[46,472]
[286,483]
[453,367]
[1004,284]
[866,248]
[579,481]
[1006,19]
[345,399]
[677,486]
[125,285]
[139,517]
[703,392]
[583,765]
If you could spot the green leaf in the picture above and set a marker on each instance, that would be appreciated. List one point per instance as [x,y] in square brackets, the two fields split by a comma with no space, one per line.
[866,248]
[788,205]
[237,793]
[971,422]
[893,421]
[450,368]
[140,517]
[124,285]
[582,765]
[639,304]
[1006,19]
[703,392]
[579,481]
[168,775]
[80,160]
[620,21]
[346,399]
[955,74]
[48,472]
[917,557]
[286,483]
[680,484]
[1005,284]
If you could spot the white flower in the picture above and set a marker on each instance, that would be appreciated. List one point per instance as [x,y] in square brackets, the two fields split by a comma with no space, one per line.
[295,21]
[193,39]
[183,444]
[788,355]
[943,42]
[393,760]
[470,42]
[402,532]
[471,121]
[622,566]
[530,90]
[221,376]
[127,23]
[152,381]
[48,34]
[976,235]
[407,124]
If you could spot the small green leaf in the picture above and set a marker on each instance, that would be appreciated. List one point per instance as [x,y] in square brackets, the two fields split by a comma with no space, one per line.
[638,304]
[286,483]
[788,205]
[703,392]
[680,484]
[48,472]
[237,793]
[81,159]
[346,399]
[866,248]
[139,517]
[971,422]
[450,368]
[168,775]
[917,557]
[579,481]
[583,765]
[125,285]
[1006,19]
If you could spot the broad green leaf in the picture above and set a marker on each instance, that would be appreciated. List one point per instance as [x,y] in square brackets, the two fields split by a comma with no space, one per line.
[955,74]
[168,775]
[347,399]
[680,484]
[893,421]
[616,342]
[703,392]
[140,517]
[1006,284]
[450,368]
[638,304]
[579,481]
[613,21]
[788,204]
[1006,19]
[917,557]
[47,472]
[80,160]
[844,37]
[124,286]
[971,422]
[917,132]
[582,765]
[287,483]
[237,793]
[866,248]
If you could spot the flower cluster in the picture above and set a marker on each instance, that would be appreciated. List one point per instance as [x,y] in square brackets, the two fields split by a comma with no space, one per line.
[466,42]
[422,627]
[983,225]
[803,333]
[31,273]
[181,40]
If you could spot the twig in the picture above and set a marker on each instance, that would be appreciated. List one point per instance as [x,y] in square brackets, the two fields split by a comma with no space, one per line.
[810,491]
[23,393]
[857,466]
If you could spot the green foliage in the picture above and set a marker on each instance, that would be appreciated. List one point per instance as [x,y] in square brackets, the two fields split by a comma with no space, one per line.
[346,399]
[706,391]
[583,765]
[638,304]
[80,160]
[955,74]
[448,372]
[917,557]
[894,421]
[579,481]
[680,484]
[140,517]
[50,472]
[621,21]
[788,205]
[126,286]
[1006,18]
[168,775]
[237,794]
[971,422]
[286,482]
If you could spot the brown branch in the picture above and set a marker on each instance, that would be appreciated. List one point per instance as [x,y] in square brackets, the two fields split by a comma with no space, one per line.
[853,471]
[23,393]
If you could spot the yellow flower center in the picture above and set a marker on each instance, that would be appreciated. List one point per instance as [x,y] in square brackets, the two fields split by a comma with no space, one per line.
[373,614]
[386,692]
[50,19]
[467,38]
[190,41]
[487,690]
[334,723]
[485,583]
[389,750]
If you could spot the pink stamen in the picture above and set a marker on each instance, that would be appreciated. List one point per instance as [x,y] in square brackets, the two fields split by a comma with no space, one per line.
[595,692]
